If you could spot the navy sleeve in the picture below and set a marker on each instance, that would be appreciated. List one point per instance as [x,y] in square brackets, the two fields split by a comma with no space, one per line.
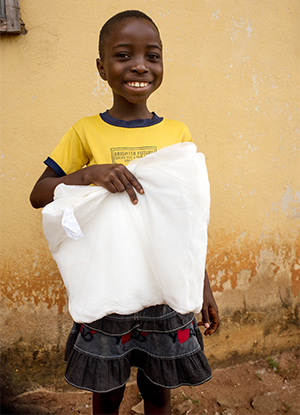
[54,166]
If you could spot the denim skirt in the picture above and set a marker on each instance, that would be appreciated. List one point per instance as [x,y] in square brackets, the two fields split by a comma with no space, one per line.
[165,345]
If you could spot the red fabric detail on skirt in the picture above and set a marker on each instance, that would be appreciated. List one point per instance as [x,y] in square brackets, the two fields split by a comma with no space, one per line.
[126,338]
[183,335]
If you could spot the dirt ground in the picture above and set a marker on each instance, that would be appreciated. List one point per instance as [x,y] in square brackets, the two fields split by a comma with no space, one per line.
[266,386]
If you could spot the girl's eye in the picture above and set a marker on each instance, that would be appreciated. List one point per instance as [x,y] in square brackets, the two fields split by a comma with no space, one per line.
[153,56]
[122,55]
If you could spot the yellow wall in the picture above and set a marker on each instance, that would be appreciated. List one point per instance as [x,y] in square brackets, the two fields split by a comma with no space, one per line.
[232,75]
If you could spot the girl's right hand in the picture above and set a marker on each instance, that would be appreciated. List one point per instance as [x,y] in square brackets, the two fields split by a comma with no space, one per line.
[116,178]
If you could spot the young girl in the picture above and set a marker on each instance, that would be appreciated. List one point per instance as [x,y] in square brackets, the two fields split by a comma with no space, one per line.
[166,346]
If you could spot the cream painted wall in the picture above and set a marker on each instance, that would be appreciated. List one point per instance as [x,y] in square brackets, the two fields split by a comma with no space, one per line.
[232,75]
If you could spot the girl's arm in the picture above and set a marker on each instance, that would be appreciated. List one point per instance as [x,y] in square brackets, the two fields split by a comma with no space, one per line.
[113,177]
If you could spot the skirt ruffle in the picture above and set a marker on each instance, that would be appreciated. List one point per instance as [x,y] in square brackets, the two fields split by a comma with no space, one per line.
[101,363]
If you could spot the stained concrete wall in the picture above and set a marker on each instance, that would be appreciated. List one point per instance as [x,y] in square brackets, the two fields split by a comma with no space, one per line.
[232,75]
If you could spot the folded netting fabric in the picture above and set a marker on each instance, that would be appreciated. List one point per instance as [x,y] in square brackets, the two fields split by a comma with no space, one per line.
[116,257]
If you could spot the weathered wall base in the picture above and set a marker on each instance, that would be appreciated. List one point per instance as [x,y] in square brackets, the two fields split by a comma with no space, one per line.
[251,335]
[32,349]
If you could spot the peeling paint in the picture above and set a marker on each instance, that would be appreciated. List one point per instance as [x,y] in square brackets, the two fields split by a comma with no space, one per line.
[289,204]
[216,15]
[40,282]
[242,259]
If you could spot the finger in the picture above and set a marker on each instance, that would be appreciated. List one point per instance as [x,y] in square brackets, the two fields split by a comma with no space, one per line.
[134,182]
[130,182]
[110,187]
[213,327]
[131,193]
[118,179]
[205,317]
[201,323]
[121,184]
[214,323]
[214,316]
[118,184]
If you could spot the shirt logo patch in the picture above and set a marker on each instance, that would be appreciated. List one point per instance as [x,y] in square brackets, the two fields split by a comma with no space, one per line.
[123,155]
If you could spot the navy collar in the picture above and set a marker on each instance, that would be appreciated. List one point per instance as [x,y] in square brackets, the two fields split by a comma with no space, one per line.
[130,124]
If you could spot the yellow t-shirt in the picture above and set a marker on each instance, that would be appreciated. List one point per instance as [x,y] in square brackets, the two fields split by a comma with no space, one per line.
[101,139]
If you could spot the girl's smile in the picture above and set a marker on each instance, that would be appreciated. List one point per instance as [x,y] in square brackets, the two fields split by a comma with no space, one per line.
[132,66]
[138,84]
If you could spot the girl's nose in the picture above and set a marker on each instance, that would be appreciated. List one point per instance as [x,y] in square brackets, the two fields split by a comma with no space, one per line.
[139,66]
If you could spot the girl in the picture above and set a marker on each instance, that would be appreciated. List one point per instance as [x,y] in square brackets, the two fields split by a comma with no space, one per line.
[166,346]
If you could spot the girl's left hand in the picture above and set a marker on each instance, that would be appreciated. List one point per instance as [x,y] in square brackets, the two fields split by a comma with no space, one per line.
[210,313]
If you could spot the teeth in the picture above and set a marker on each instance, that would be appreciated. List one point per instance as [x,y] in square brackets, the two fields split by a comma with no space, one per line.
[138,84]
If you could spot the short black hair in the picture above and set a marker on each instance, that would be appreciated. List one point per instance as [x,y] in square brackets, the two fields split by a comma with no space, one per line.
[112,22]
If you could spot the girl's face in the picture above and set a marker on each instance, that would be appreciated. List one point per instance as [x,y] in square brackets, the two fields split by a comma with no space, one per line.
[133,61]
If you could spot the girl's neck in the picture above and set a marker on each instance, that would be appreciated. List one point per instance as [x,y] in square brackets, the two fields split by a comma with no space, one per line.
[130,112]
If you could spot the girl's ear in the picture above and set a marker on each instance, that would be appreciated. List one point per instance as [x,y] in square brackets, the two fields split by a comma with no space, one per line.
[101,70]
